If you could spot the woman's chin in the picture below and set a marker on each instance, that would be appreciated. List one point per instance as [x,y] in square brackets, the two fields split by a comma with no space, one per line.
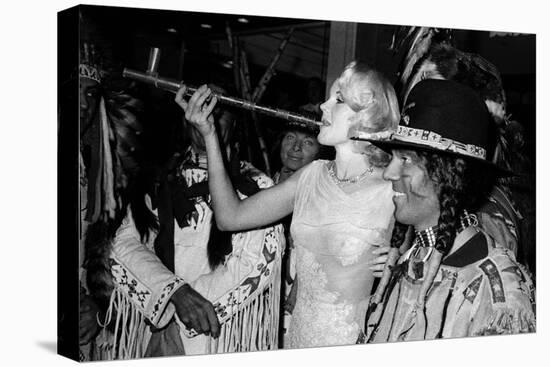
[322,138]
[333,141]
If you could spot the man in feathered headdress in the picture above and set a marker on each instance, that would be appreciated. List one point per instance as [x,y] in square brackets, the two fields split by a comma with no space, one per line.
[170,263]
[109,168]
[107,162]
[89,82]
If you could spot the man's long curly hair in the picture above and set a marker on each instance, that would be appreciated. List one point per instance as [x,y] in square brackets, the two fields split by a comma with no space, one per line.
[460,184]
[448,176]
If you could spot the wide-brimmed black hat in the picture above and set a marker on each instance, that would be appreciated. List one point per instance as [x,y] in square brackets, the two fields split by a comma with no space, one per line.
[443,116]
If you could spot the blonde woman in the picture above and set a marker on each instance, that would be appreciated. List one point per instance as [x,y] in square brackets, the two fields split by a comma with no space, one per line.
[342,209]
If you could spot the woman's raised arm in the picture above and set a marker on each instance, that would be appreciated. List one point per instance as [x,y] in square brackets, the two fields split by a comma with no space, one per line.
[233,214]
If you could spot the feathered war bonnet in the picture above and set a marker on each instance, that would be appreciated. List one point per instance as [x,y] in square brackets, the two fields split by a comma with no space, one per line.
[114,144]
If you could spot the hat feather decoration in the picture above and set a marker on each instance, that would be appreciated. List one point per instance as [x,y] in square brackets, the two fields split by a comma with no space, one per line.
[430,54]
[417,41]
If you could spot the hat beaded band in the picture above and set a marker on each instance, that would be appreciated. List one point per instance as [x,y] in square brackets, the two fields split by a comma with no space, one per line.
[426,138]
[434,140]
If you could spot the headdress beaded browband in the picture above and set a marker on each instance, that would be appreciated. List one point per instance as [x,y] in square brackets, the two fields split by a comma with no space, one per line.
[88,67]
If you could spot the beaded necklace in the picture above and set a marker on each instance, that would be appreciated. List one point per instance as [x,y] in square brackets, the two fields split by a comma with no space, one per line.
[349,180]
[427,238]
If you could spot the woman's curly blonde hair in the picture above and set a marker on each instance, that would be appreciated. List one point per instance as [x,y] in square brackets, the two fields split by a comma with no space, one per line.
[372,97]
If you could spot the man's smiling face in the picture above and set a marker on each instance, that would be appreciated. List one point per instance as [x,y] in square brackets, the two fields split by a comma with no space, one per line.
[416,200]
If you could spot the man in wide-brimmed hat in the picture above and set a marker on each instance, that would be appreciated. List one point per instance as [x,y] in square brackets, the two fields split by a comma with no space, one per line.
[451,279]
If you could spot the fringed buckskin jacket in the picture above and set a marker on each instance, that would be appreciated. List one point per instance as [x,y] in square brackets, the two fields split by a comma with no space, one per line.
[479,289]
[244,288]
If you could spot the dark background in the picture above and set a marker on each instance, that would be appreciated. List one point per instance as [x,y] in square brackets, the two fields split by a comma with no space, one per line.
[197,55]
[194,48]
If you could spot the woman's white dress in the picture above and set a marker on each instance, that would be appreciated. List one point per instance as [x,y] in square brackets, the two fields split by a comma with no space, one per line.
[334,234]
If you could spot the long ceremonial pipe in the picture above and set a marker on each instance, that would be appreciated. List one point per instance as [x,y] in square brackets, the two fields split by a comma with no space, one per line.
[172,85]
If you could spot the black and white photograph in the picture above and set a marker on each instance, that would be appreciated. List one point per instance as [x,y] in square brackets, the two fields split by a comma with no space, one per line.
[252,183]
[230,180]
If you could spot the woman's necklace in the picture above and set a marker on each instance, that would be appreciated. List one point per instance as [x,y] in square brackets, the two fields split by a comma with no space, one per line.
[349,180]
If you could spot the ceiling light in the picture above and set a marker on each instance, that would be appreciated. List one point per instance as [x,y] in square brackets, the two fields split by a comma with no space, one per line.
[172,30]
[228,64]
[242,20]
[206,26]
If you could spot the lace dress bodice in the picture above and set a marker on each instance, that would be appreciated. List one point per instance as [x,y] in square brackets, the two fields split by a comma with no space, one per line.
[334,234]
